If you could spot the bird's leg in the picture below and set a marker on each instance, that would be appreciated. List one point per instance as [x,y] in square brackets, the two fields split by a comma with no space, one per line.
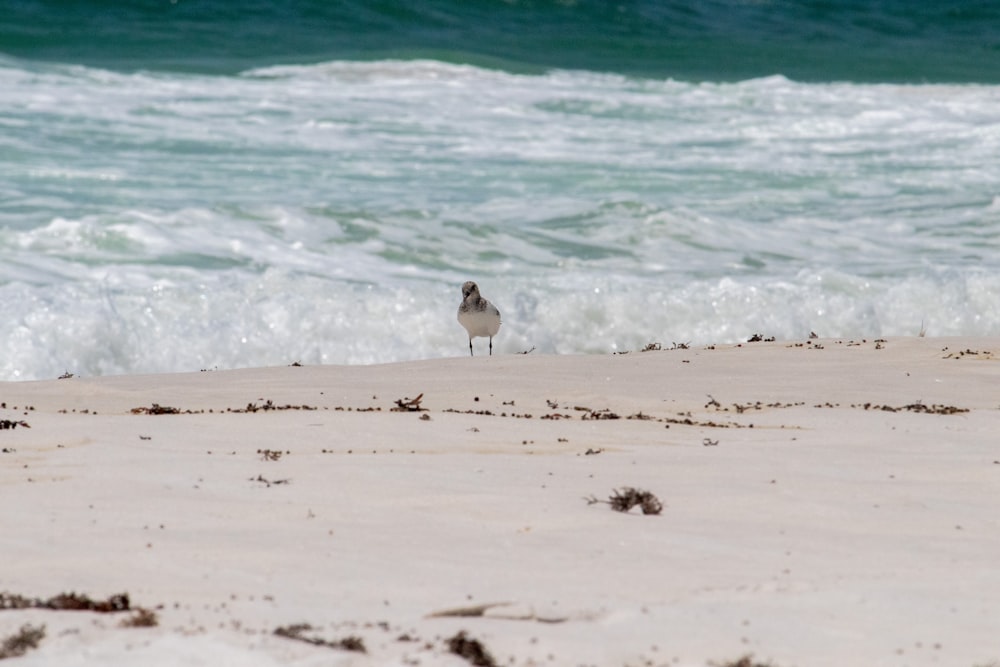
[470,347]
[491,346]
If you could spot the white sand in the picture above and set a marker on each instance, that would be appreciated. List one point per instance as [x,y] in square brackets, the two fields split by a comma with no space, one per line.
[826,534]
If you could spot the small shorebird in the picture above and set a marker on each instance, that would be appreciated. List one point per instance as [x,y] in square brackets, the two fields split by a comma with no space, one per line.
[479,317]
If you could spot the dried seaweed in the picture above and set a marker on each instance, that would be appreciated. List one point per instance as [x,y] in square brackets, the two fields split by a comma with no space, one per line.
[934,409]
[297,632]
[76,602]
[470,649]
[268,406]
[601,414]
[624,499]
[740,408]
[743,661]
[10,424]
[67,602]
[156,409]
[688,421]
[968,352]
[142,618]
[22,641]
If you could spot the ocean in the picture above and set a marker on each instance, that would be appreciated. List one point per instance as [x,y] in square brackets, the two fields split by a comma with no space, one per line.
[204,185]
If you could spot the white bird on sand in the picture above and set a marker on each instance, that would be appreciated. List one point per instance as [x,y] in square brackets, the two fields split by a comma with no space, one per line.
[479,317]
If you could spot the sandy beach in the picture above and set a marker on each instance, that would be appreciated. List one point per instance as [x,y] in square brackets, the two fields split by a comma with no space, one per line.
[824,502]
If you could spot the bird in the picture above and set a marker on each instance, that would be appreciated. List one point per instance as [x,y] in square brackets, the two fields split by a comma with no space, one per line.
[479,317]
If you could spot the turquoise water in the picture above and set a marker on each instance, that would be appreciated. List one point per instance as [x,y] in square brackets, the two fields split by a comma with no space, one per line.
[188,185]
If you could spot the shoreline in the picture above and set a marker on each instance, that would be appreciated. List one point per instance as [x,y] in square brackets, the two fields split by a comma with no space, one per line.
[825,502]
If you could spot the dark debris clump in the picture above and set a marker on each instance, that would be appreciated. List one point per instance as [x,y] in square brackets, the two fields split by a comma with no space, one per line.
[470,649]
[624,499]
[156,409]
[142,618]
[67,602]
[11,424]
[22,641]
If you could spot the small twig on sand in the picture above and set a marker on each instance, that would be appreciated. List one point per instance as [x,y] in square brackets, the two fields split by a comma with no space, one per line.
[297,630]
[408,404]
[269,482]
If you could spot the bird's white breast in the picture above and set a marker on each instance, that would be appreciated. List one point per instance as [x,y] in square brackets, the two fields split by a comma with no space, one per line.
[483,323]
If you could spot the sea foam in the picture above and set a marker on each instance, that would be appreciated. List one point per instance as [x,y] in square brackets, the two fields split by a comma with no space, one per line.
[329,213]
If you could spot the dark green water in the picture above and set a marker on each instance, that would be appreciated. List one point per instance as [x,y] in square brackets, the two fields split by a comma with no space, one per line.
[712,40]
